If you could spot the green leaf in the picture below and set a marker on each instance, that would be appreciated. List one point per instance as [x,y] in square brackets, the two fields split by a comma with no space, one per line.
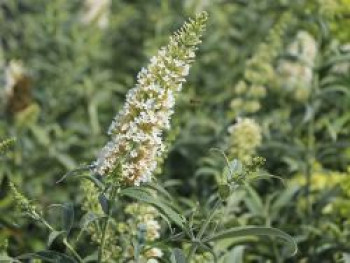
[262,175]
[206,171]
[346,257]
[335,89]
[144,196]
[283,200]
[255,231]
[7,259]
[48,256]
[103,202]
[41,135]
[335,60]
[91,258]
[65,160]
[74,172]
[159,189]
[67,217]
[53,235]
[177,256]
[88,219]
[309,114]
[254,202]
[235,255]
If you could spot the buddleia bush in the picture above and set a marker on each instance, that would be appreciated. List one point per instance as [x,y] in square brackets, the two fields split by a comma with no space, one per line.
[136,143]
[254,146]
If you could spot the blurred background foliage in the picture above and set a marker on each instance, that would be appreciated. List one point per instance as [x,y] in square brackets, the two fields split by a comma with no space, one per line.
[65,68]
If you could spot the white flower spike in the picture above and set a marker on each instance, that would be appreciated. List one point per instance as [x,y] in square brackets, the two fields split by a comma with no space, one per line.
[136,132]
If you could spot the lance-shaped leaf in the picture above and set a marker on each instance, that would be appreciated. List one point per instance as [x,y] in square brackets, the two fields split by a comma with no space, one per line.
[255,231]
[144,196]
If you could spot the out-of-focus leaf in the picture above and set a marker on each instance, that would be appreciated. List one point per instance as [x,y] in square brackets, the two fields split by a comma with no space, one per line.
[144,196]
[255,231]
[67,217]
[53,236]
[206,171]
[346,257]
[235,255]
[91,258]
[254,202]
[160,189]
[48,256]
[74,172]
[8,259]
[177,256]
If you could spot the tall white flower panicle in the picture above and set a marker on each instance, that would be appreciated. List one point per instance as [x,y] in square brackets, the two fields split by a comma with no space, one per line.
[245,138]
[259,73]
[304,47]
[296,75]
[136,132]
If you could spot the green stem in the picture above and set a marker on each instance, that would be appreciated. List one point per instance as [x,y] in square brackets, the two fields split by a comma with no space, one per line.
[72,250]
[106,223]
[194,246]
[310,152]
[308,184]
[65,241]
[47,225]
[192,252]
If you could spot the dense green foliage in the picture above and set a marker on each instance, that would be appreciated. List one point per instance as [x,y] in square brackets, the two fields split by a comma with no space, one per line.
[258,150]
